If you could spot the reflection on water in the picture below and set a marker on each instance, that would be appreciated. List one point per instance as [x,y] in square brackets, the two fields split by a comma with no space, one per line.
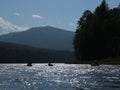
[59,77]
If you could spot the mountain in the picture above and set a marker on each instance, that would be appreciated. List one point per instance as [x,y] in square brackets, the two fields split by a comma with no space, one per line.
[16,53]
[42,37]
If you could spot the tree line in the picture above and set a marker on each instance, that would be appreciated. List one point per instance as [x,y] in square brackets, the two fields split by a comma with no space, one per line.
[98,33]
[17,53]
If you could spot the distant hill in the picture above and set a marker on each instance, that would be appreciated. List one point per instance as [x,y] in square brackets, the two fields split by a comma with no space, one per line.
[15,53]
[42,37]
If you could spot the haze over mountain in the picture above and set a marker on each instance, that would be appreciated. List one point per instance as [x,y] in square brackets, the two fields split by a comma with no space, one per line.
[42,37]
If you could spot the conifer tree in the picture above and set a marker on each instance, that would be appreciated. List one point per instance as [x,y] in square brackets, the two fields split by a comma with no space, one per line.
[98,34]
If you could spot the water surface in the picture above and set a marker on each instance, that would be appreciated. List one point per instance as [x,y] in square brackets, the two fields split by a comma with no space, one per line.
[59,77]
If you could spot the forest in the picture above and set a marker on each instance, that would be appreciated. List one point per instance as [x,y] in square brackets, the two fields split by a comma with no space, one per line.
[17,53]
[97,36]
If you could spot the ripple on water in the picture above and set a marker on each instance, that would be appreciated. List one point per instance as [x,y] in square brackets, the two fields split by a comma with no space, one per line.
[59,77]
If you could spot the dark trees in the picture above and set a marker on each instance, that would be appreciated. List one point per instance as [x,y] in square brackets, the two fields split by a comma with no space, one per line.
[16,53]
[98,34]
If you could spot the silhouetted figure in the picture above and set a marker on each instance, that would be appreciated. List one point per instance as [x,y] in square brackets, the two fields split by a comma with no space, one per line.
[49,64]
[29,64]
[95,64]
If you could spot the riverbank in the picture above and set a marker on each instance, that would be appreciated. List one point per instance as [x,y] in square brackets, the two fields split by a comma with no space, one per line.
[109,61]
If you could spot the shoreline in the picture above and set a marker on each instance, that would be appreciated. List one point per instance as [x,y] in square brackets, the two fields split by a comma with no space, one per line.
[110,61]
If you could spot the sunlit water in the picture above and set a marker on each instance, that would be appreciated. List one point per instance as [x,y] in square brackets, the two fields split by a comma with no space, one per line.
[59,77]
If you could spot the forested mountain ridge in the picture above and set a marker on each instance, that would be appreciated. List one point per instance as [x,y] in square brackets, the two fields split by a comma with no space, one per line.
[16,53]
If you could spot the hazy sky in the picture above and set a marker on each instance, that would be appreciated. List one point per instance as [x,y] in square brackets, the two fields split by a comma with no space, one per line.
[21,14]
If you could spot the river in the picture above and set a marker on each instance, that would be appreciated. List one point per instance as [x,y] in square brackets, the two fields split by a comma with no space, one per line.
[59,77]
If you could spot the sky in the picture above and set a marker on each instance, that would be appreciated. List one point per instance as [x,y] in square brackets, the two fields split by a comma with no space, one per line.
[23,14]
